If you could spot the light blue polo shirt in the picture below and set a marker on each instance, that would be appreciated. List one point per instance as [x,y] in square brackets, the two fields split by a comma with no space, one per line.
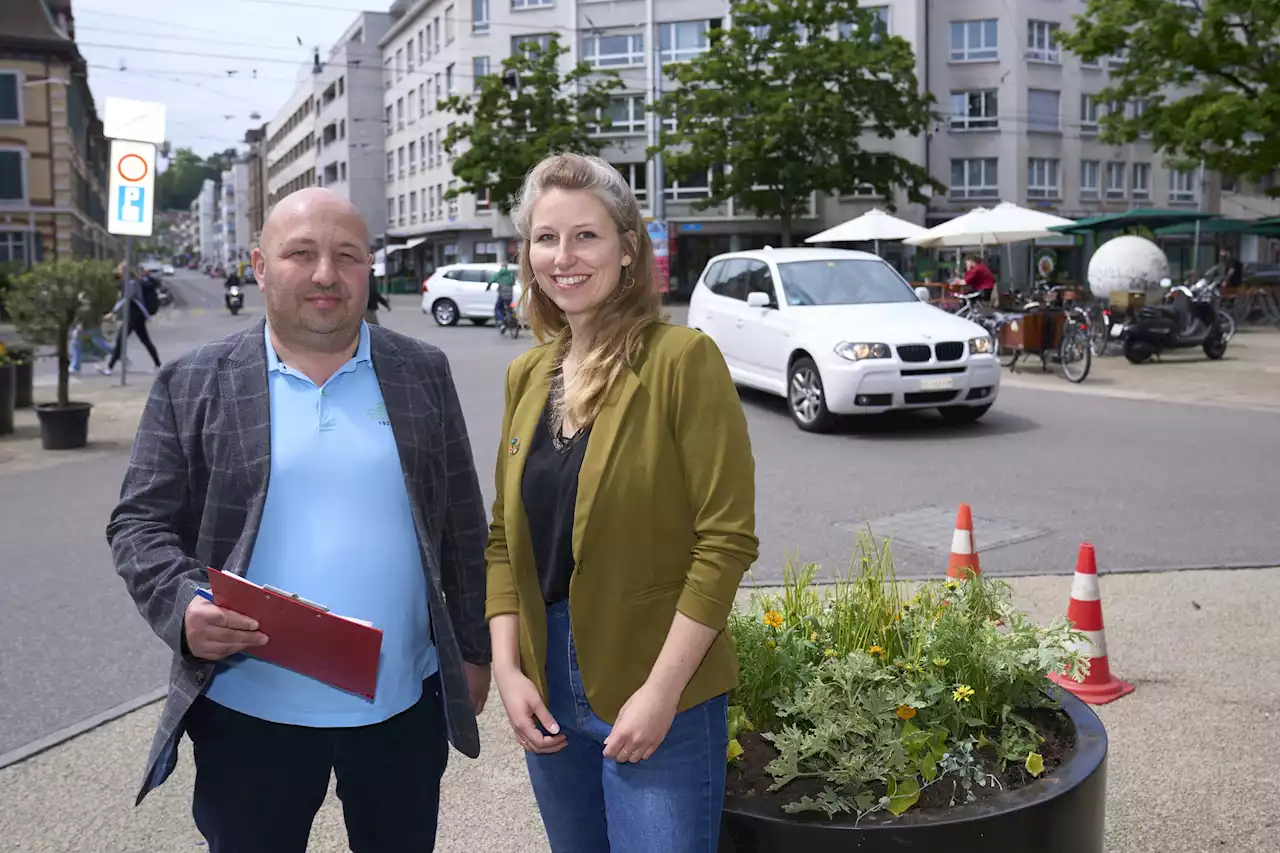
[337,530]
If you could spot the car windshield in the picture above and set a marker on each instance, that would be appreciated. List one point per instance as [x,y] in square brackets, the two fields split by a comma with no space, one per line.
[844,281]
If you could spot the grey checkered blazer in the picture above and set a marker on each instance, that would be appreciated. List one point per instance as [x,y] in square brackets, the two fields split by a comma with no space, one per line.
[197,482]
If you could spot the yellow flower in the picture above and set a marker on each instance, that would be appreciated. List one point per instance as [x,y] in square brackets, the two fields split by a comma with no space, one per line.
[773,619]
[830,652]
[906,712]
[813,638]
[877,652]
[941,661]
[962,693]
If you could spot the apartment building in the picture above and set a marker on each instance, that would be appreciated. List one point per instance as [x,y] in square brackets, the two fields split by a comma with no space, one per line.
[208,226]
[53,156]
[255,158]
[234,211]
[291,138]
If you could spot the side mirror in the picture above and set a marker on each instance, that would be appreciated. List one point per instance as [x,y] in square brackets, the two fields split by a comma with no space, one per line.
[923,294]
[758,299]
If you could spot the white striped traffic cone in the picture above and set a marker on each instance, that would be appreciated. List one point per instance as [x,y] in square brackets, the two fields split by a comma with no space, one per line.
[1085,613]
[964,555]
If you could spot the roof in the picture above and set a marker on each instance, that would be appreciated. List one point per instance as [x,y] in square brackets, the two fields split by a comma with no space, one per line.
[30,21]
[787,256]
[1146,217]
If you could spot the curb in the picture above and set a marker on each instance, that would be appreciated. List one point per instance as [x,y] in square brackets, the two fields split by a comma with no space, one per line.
[49,741]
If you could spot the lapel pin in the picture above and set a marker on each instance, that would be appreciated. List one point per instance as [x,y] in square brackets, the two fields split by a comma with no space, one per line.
[513,446]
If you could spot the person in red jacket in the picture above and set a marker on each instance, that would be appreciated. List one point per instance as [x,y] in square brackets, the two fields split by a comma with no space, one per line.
[977,276]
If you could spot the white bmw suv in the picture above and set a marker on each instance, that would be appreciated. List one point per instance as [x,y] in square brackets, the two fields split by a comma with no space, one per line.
[837,332]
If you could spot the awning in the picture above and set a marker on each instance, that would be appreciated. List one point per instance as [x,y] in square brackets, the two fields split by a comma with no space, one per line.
[1258,227]
[409,245]
[1143,217]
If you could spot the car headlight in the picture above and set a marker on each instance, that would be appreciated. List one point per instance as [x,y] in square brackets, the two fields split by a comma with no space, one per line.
[980,346]
[858,352]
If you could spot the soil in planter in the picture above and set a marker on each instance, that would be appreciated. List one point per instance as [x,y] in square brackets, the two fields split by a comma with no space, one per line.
[748,777]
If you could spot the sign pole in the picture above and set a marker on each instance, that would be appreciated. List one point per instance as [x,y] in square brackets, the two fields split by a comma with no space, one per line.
[125,310]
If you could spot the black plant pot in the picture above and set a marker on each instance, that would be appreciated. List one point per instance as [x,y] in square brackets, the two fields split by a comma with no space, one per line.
[8,391]
[1062,812]
[64,428]
[24,377]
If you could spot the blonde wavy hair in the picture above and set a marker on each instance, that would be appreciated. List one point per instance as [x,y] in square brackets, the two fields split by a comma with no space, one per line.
[634,306]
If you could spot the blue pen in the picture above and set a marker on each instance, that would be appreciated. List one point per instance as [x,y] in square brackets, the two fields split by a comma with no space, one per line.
[207,595]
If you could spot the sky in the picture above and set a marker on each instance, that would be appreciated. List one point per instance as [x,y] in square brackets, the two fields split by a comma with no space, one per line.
[212,63]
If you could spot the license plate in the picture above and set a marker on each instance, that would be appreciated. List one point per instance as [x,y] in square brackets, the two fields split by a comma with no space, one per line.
[938,383]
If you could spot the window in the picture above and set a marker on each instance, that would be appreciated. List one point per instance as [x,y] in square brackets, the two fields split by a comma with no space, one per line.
[730,280]
[422,49]
[408,55]
[484,201]
[450,133]
[439,200]
[422,101]
[613,51]
[626,116]
[431,205]
[486,253]
[429,42]
[450,25]
[532,4]
[400,160]
[439,32]
[1041,43]
[683,40]
[388,121]
[422,151]
[453,202]
[413,206]
[1042,111]
[10,98]
[1142,180]
[1042,178]
[695,186]
[1140,107]
[449,80]
[881,25]
[391,165]
[13,175]
[386,73]
[399,64]
[1115,180]
[637,175]
[479,16]
[13,247]
[1089,112]
[391,210]
[975,41]
[842,282]
[479,70]
[413,157]
[1089,178]
[519,43]
[760,280]
[399,113]
[975,178]
[431,148]
[342,170]
[975,110]
[1182,186]
[400,207]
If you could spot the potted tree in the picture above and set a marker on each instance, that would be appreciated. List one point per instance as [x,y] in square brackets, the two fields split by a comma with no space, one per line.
[46,303]
[8,387]
[876,718]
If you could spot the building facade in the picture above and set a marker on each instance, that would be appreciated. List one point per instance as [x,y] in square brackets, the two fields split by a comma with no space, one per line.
[233,210]
[208,224]
[291,139]
[53,156]
[255,159]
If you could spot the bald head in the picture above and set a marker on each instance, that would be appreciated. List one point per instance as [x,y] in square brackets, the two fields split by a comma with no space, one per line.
[312,204]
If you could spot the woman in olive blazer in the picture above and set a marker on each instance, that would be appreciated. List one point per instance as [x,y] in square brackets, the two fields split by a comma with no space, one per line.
[623,524]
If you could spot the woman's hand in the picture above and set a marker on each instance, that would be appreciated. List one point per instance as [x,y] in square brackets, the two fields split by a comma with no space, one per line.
[525,709]
[642,724]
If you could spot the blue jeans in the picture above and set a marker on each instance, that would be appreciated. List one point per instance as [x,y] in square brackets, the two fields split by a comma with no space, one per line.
[94,338]
[670,803]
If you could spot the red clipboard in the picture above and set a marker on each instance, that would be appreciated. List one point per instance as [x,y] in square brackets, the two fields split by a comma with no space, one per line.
[338,650]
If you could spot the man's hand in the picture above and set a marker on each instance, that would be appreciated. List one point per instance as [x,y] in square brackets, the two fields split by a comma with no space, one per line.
[477,685]
[214,633]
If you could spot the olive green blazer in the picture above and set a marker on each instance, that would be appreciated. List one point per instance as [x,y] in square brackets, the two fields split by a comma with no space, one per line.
[664,519]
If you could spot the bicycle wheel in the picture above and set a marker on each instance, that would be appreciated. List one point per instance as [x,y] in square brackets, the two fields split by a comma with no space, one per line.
[1074,352]
[1228,324]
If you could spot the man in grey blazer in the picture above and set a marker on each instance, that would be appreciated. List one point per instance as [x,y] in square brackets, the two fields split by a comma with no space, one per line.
[329,458]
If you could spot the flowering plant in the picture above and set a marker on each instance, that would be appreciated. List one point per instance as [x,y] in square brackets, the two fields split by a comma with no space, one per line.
[865,696]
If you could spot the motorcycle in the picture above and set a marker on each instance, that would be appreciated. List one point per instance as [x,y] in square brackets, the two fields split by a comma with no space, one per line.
[234,299]
[1193,320]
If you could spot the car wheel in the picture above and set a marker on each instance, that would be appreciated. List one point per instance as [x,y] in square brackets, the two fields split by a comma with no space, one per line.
[963,414]
[806,399]
[445,311]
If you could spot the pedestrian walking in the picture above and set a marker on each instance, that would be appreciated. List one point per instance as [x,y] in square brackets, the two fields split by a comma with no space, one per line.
[623,524]
[375,299]
[373,509]
[139,298]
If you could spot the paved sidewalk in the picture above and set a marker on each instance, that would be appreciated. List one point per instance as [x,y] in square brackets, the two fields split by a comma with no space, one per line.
[113,422]
[1248,376]
[1191,756]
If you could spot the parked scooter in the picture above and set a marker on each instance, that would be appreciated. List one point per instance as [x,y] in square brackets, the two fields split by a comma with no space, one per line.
[1192,320]
[234,299]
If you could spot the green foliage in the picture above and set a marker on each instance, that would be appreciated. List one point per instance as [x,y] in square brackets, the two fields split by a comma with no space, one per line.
[879,693]
[777,117]
[1209,70]
[53,296]
[180,182]
[509,132]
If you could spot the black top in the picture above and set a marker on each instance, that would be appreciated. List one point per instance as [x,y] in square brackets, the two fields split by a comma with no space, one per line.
[549,489]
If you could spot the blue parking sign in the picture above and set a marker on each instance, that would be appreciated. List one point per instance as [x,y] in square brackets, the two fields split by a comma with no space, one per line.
[131,204]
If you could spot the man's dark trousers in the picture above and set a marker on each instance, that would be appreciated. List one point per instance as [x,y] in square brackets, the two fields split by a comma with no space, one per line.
[259,784]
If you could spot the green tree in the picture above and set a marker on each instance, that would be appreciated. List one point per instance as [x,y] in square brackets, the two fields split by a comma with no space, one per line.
[785,100]
[510,131]
[1209,71]
[180,182]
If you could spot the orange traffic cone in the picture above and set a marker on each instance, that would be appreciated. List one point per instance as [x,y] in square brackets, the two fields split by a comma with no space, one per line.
[964,556]
[1085,613]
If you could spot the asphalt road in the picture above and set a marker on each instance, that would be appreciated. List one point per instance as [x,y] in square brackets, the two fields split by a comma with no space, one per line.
[1150,484]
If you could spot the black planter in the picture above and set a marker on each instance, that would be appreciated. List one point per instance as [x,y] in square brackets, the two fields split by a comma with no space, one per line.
[8,391]
[64,428]
[1063,812]
[24,376]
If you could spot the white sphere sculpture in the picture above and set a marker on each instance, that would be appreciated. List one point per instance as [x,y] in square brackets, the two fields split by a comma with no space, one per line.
[1126,263]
